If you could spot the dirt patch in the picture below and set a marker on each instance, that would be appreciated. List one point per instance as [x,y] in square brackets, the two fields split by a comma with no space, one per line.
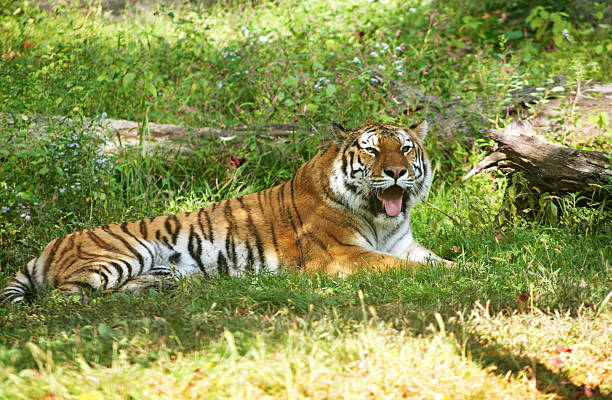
[580,119]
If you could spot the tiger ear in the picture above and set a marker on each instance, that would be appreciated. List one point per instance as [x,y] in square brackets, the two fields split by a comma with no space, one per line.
[421,129]
[338,132]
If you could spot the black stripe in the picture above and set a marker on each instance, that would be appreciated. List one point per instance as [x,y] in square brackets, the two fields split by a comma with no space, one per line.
[143,229]
[101,242]
[250,258]
[22,287]
[129,247]
[200,211]
[211,236]
[49,261]
[195,250]
[91,268]
[318,241]
[297,235]
[222,264]
[230,243]
[339,241]
[254,233]
[83,255]
[351,187]
[344,163]
[143,244]
[160,272]
[66,254]
[177,225]
[272,225]
[27,273]
[297,212]
[176,257]
[120,271]
[104,277]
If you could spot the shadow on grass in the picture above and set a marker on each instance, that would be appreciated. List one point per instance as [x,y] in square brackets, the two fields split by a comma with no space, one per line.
[195,316]
[508,363]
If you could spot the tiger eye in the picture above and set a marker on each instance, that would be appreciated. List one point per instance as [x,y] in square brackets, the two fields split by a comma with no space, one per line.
[371,151]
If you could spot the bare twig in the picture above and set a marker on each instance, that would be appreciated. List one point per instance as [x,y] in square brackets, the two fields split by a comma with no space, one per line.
[448,215]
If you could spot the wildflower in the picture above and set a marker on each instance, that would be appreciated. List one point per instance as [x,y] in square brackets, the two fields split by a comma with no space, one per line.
[25,216]
[4,210]
[357,60]
[322,82]
[230,54]
[565,33]
[233,162]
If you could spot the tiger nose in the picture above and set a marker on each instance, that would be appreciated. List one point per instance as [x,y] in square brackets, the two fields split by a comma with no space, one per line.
[395,172]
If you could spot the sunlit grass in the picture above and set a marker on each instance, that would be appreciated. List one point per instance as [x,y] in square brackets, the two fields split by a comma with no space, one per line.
[522,315]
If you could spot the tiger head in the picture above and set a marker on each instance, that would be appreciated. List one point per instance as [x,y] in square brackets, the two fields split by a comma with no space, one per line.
[381,169]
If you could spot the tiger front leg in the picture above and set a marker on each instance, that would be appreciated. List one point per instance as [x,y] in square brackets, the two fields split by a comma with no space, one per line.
[344,260]
[419,254]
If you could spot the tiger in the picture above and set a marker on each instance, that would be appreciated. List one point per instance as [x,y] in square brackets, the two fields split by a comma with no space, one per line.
[345,209]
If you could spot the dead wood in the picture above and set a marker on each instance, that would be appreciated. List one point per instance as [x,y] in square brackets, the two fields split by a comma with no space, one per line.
[121,134]
[547,166]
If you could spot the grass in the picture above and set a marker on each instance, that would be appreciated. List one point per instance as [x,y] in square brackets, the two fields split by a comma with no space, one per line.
[525,314]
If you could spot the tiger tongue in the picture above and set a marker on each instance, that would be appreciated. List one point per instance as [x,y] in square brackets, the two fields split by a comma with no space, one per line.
[392,200]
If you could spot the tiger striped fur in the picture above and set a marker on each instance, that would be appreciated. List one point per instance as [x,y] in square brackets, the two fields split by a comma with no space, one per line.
[346,208]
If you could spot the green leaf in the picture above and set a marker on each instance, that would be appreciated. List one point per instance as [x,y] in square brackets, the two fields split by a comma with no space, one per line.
[104,331]
[312,107]
[514,34]
[281,96]
[151,89]
[331,89]
[43,171]
[289,102]
[291,81]
[128,79]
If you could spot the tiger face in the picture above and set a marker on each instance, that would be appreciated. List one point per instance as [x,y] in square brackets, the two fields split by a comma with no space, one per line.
[382,169]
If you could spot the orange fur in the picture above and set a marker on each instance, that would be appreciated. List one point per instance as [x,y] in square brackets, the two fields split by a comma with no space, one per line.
[308,223]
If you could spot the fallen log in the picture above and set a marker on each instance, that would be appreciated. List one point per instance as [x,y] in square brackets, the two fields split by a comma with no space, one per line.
[547,166]
[119,134]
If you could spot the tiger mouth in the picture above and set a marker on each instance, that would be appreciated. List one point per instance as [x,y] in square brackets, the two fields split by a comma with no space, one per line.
[391,199]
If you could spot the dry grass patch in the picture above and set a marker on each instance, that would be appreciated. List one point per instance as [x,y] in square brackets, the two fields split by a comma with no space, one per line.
[577,347]
[315,361]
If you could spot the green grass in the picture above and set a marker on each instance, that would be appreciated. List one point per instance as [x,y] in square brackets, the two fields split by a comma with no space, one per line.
[525,313]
